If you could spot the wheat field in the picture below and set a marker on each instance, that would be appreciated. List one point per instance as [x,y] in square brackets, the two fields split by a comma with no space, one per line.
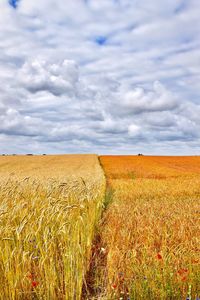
[49,207]
[151,229]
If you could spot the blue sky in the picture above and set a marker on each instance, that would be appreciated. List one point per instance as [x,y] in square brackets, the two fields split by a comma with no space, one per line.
[13,3]
[100,76]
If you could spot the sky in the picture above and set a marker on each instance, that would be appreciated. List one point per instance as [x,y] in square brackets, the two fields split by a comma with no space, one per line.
[100,76]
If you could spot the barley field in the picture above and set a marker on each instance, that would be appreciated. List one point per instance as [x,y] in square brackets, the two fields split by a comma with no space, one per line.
[49,208]
[151,228]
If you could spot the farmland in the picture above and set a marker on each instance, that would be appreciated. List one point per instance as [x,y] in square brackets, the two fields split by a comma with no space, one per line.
[108,227]
[49,206]
[151,227]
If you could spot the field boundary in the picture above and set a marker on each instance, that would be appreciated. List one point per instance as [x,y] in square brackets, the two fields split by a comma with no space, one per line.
[93,287]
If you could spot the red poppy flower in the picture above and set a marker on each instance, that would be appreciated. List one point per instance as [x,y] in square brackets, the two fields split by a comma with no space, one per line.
[34,283]
[159,256]
[114,286]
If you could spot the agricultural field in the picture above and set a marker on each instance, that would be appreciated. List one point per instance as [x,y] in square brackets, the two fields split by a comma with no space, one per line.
[151,228]
[75,227]
[49,208]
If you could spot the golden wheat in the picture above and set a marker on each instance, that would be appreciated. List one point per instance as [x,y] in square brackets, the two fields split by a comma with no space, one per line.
[48,210]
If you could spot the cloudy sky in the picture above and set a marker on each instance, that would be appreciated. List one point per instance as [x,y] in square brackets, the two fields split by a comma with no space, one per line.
[100,76]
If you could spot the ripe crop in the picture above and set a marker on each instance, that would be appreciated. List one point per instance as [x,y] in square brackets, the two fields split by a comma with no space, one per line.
[49,207]
[55,245]
[151,228]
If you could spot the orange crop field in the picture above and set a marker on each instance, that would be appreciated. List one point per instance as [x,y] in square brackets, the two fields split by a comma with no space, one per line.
[151,228]
[158,167]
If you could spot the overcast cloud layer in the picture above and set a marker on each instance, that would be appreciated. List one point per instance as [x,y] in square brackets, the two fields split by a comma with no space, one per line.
[100,76]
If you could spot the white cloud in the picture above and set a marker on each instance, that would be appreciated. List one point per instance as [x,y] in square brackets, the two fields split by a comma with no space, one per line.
[116,76]
[133,130]
[40,75]
[160,99]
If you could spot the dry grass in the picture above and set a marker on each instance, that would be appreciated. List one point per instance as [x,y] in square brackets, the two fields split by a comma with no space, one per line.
[49,207]
[151,229]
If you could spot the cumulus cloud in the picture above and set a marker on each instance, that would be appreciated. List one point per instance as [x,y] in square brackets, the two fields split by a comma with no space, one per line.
[119,77]
[160,99]
[40,75]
